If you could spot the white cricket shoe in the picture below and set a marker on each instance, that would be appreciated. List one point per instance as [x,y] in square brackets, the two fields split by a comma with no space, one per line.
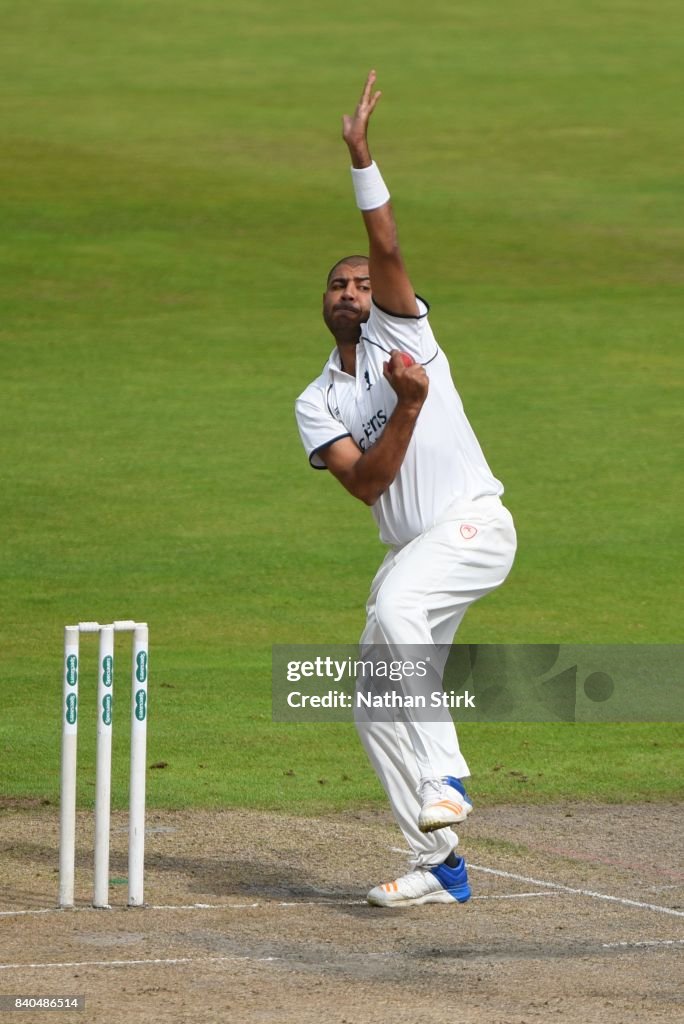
[440,884]
[445,802]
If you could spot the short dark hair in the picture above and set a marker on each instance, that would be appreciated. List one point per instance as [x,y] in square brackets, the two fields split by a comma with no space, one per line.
[353,261]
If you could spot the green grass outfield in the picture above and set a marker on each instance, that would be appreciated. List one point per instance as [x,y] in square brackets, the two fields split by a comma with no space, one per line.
[173,189]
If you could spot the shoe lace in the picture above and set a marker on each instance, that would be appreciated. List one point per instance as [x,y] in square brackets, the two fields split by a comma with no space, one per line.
[414,884]
[430,789]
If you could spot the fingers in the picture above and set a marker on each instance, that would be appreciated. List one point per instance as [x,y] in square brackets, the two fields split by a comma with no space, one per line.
[394,362]
[368,97]
[370,82]
[401,364]
[388,368]
[355,125]
[374,100]
[408,379]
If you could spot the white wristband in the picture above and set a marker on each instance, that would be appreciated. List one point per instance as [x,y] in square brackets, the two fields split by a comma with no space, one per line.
[369,188]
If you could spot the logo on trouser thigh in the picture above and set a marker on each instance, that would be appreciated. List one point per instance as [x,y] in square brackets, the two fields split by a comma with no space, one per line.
[468,531]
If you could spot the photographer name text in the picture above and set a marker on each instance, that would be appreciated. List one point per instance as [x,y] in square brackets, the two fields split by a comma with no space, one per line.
[390,699]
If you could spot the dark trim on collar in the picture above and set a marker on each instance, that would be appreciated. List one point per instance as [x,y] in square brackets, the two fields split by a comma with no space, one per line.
[376,343]
[404,316]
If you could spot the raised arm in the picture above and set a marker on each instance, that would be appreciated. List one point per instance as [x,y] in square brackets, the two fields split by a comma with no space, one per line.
[390,284]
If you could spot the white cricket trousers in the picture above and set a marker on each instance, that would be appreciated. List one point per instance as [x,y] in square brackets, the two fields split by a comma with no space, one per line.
[419,596]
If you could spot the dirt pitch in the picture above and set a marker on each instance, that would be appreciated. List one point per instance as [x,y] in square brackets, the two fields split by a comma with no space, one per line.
[577,916]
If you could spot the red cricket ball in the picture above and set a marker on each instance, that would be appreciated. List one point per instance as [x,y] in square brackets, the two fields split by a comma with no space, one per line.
[407,359]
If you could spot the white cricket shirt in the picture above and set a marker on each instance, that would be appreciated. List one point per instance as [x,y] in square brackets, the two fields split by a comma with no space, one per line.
[443,462]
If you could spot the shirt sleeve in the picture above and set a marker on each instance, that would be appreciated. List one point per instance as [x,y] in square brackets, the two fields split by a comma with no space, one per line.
[318,428]
[411,334]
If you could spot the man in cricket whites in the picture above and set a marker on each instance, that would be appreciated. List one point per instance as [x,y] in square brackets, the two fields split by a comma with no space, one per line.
[385,418]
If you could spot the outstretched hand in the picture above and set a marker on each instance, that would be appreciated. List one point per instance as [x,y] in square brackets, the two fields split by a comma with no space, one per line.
[355,128]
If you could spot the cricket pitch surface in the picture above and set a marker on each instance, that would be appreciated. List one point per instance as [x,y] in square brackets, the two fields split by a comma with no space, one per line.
[577,916]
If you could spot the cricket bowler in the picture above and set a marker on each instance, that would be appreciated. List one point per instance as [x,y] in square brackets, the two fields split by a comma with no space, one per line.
[384,417]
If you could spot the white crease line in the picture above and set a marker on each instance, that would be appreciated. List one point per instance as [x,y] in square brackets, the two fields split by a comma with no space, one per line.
[232,906]
[579,892]
[138,963]
[203,906]
[99,910]
[240,906]
[515,896]
[644,942]
[189,906]
[320,903]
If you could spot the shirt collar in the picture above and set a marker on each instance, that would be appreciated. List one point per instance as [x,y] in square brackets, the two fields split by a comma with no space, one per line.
[334,364]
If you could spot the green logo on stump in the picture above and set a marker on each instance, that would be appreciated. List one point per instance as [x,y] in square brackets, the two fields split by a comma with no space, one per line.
[107,709]
[107,670]
[72,670]
[141,705]
[71,708]
[141,667]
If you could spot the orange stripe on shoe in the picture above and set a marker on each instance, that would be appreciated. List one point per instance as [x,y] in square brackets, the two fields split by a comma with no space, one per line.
[450,806]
